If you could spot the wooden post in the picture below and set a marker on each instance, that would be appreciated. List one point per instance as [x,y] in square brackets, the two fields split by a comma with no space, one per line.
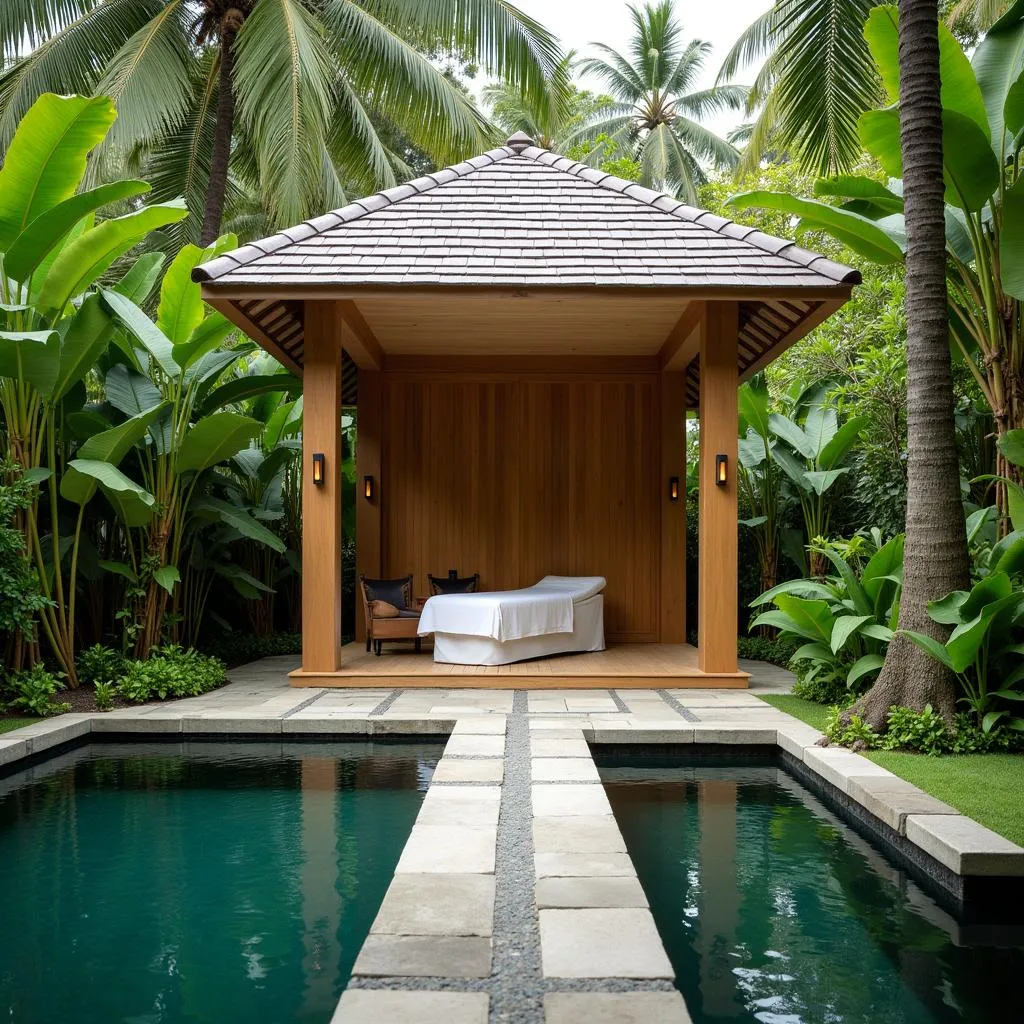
[673,513]
[321,505]
[719,417]
[369,421]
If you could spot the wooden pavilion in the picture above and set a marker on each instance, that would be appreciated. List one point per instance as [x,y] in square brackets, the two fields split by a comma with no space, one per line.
[523,336]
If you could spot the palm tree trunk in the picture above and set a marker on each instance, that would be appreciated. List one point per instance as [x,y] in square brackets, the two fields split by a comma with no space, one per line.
[216,189]
[936,559]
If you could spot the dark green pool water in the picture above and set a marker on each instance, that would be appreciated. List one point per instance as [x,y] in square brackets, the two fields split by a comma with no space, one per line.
[773,910]
[225,883]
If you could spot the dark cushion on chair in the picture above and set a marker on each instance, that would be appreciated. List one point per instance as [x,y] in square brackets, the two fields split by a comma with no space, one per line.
[397,592]
[454,585]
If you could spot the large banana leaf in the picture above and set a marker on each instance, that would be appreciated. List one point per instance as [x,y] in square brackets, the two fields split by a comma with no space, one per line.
[32,356]
[47,157]
[128,392]
[209,335]
[111,479]
[87,335]
[138,283]
[842,441]
[998,62]
[153,340]
[31,247]
[181,306]
[214,439]
[860,233]
[1011,241]
[87,257]
[794,435]
[242,388]
[970,168]
[960,89]
[109,446]
[239,519]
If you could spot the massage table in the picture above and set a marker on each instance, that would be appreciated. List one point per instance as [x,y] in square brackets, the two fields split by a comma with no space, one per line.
[558,615]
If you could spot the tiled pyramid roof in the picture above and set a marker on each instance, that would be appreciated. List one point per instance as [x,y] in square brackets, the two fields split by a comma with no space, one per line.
[523,216]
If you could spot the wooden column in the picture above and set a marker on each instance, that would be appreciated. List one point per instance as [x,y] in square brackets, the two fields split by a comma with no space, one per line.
[368,463]
[673,513]
[321,505]
[719,417]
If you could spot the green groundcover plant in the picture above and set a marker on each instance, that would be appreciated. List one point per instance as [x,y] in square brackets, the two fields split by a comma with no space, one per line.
[170,671]
[846,619]
[33,691]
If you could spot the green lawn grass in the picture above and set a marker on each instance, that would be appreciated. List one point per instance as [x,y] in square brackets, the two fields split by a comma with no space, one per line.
[986,787]
[7,724]
[806,710]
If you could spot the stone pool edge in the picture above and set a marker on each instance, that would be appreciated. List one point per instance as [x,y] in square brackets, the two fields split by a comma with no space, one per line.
[487,765]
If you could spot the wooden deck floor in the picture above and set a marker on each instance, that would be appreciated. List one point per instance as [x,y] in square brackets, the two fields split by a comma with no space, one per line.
[624,665]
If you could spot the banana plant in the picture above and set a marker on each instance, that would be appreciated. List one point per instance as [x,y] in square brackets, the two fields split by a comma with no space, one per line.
[846,620]
[176,364]
[983,138]
[54,326]
[985,648]
[760,482]
[810,453]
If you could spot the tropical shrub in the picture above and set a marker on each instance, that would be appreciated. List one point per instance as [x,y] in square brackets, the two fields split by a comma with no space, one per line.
[920,732]
[170,671]
[54,327]
[846,619]
[100,664]
[778,651]
[104,695]
[21,598]
[238,648]
[32,690]
[985,647]
[810,449]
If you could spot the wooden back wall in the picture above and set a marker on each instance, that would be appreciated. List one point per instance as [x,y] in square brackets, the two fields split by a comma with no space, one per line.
[516,477]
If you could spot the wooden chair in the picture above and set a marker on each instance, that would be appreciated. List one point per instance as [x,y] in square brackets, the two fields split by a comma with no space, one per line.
[397,595]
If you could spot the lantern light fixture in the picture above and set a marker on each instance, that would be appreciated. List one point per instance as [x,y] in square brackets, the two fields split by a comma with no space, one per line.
[368,488]
[673,488]
[319,468]
[721,470]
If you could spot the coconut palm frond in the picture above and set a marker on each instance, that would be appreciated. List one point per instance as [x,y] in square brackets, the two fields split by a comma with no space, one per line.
[283,76]
[393,75]
[72,59]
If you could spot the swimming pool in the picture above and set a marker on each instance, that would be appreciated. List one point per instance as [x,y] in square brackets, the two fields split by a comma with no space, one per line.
[772,909]
[219,882]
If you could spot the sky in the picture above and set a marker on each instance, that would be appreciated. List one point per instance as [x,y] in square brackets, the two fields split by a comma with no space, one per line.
[578,22]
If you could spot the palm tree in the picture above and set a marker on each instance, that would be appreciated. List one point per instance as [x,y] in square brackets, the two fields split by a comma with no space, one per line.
[287,91]
[818,77]
[657,117]
[935,558]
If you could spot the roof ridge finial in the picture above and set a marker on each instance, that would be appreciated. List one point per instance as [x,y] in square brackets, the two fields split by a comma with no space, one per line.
[519,141]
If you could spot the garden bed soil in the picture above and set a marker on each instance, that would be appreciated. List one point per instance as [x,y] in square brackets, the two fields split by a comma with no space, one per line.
[83,702]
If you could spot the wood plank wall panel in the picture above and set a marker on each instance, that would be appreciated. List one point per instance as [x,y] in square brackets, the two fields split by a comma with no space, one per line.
[450,487]
[520,478]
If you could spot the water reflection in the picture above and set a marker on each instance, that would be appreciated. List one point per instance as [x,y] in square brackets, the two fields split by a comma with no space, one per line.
[773,910]
[202,882]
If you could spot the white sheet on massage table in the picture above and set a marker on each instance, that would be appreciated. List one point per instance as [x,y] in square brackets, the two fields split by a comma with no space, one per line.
[540,610]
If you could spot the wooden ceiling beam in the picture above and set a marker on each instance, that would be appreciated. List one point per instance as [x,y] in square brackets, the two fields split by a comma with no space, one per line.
[683,341]
[359,341]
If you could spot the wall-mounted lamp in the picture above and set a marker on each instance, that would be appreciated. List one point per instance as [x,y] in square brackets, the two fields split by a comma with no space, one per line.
[721,470]
[319,468]
[368,488]
[673,488]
